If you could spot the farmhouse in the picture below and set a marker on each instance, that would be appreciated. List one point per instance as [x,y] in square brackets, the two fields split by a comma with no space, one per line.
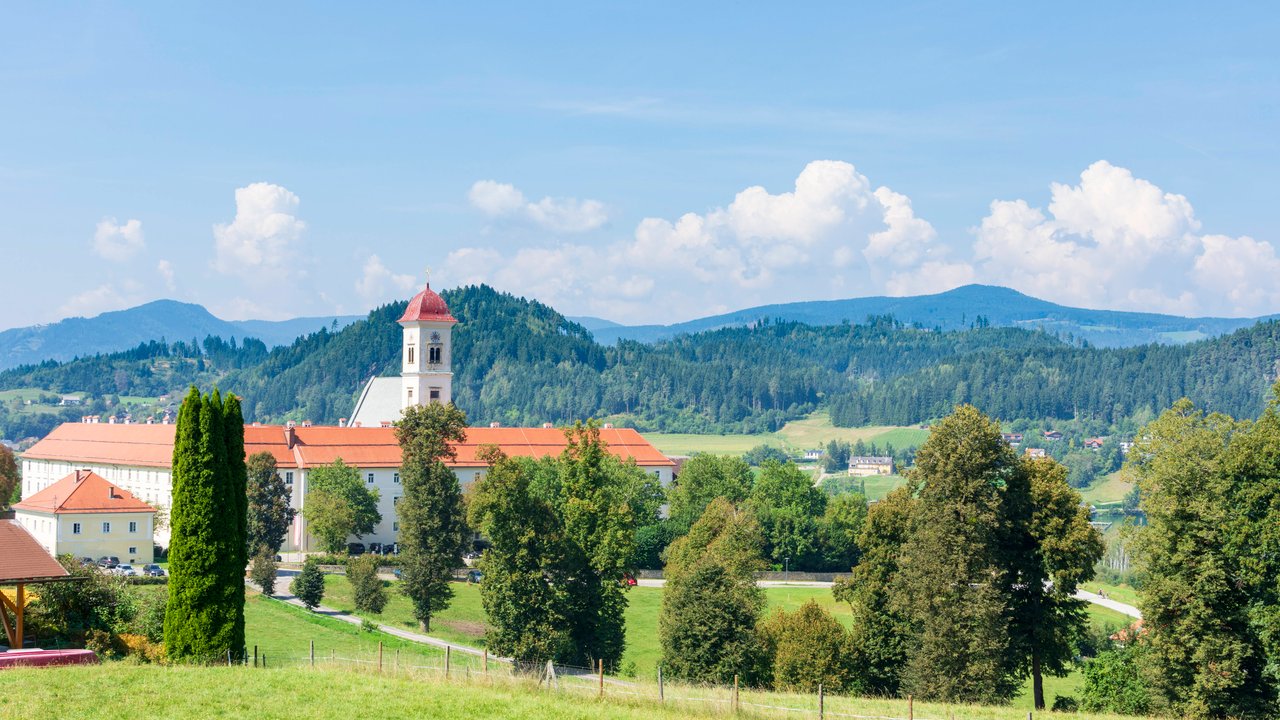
[84,515]
[138,457]
[868,465]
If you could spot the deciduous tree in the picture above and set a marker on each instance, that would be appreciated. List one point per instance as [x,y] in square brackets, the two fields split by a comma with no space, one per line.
[366,587]
[269,512]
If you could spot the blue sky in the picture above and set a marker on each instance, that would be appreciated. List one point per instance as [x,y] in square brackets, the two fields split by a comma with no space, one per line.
[642,162]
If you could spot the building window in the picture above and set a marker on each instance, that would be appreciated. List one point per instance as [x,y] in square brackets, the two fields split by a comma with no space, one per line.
[288,478]
[133,527]
[395,501]
[395,527]
[396,478]
[409,357]
[106,528]
[435,395]
[434,355]
[133,551]
[410,396]
[370,478]
[75,528]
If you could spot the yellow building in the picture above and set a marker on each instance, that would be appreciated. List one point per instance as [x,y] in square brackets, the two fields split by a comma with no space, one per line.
[868,465]
[85,516]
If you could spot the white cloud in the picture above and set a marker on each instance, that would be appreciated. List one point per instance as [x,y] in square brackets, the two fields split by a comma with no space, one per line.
[262,237]
[117,242]
[165,268]
[95,301]
[378,284]
[1117,241]
[833,235]
[569,215]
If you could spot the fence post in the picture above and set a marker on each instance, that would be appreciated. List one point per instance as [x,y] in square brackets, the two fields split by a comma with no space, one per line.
[333,656]
[228,657]
[822,710]
[448,654]
[735,694]
[911,707]
[485,660]
[255,656]
[600,668]
[662,696]
[313,653]
[264,659]
[397,661]
[379,656]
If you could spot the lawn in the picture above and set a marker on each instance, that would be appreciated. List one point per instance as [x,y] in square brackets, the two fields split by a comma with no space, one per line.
[1107,489]
[1126,594]
[796,436]
[325,693]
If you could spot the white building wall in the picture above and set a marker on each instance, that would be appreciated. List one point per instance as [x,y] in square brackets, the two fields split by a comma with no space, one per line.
[152,485]
[100,534]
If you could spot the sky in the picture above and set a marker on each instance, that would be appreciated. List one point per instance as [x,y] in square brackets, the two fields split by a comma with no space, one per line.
[641,162]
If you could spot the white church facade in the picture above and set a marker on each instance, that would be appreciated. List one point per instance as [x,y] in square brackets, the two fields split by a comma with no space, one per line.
[138,457]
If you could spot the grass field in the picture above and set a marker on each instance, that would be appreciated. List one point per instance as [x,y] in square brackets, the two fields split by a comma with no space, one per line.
[796,436]
[1107,489]
[1126,594]
[463,623]
[146,691]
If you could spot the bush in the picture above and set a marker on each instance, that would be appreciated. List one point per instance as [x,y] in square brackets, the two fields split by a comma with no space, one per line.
[142,648]
[262,571]
[102,643]
[362,572]
[148,620]
[1113,683]
[71,610]
[1065,703]
[808,648]
[308,586]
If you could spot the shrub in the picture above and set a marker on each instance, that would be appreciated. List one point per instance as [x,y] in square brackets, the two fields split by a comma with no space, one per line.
[102,643]
[308,586]
[362,572]
[148,621]
[142,648]
[1113,683]
[1065,703]
[262,571]
[808,648]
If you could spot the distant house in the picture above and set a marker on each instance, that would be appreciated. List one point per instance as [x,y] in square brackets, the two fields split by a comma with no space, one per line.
[1095,443]
[813,454]
[1125,447]
[1052,435]
[1036,453]
[868,465]
[84,515]
[70,400]
[1013,439]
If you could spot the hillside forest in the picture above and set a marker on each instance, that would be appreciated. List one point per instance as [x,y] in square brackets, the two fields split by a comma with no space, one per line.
[519,362]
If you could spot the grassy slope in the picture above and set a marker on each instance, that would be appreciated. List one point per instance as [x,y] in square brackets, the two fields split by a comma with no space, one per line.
[797,435]
[1107,489]
[463,623]
[143,691]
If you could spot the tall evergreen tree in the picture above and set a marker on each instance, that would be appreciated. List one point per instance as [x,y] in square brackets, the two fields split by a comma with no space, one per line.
[433,528]
[204,616]
[952,582]
[237,509]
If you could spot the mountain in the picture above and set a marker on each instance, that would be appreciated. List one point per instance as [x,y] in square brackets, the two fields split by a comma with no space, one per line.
[954,310]
[123,329]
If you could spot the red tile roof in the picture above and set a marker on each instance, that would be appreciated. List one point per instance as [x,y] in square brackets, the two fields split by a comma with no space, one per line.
[22,559]
[427,306]
[152,445]
[83,491]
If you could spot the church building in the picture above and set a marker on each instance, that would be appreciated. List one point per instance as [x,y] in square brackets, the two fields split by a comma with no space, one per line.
[138,457]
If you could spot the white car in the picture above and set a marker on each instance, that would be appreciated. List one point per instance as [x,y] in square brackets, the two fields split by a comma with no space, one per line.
[126,570]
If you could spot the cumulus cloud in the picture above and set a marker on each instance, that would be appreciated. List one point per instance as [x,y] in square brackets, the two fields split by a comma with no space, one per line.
[832,235]
[568,215]
[1117,241]
[165,268]
[378,284]
[118,242]
[263,236]
[97,300]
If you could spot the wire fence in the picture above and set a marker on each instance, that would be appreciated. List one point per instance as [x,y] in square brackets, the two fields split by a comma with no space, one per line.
[462,667]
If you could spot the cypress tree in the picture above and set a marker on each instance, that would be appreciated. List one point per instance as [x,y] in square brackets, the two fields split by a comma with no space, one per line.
[190,579]
[238,509]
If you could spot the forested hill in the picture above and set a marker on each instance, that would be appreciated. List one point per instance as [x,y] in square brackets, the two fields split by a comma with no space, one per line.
[521,362]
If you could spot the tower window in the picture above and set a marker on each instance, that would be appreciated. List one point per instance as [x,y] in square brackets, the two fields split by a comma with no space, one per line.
[434,354]
[410,396]
[435,394]
[409,359]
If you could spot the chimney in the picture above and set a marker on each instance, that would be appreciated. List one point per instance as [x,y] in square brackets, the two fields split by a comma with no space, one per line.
[495,424]
[357,424]
[290,438]
[342,422]
[306,423]
[386,423]
[608,426]
[547,426]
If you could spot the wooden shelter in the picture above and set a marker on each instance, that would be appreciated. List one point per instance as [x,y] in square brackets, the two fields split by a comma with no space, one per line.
[23,562]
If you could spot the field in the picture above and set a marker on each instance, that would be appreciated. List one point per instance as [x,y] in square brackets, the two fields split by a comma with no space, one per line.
[796,436]
[463,623]
[342,693]
[1107,489]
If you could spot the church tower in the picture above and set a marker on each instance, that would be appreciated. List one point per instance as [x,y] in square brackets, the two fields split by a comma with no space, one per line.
[427,355]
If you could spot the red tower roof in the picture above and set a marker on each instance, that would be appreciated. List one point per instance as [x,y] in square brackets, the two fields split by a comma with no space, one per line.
[427,306]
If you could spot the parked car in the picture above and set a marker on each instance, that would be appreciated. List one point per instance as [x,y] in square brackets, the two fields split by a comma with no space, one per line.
[354,549]
[153,571]
[87,561]
[629,580]
[375,548]
[474,577]
[106,562]
[126,570]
